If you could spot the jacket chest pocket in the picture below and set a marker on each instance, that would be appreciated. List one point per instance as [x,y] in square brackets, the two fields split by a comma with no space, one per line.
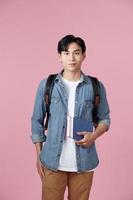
[55,104]
[87,110]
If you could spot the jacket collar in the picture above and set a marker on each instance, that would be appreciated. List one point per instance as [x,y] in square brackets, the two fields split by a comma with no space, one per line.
[85,78]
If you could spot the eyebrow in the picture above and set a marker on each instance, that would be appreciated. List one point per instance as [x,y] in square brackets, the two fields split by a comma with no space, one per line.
[75,50]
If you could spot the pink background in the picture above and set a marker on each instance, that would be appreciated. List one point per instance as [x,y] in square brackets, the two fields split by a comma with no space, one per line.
[29,32]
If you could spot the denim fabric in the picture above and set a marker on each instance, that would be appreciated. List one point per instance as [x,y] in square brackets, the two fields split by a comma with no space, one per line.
[87,157]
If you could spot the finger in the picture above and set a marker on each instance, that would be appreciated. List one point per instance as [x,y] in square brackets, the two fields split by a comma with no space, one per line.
[81,133]
[42,170]
[80,142]
[41,174]
[83,144]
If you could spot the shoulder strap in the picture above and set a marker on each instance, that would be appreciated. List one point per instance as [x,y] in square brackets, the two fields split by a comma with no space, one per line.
[48,92]
[47,95]
[96,100]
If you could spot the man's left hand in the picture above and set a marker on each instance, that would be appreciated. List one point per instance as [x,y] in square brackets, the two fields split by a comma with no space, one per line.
[88,139]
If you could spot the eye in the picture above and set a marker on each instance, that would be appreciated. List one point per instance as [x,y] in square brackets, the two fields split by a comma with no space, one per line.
[77,53]
[66,53]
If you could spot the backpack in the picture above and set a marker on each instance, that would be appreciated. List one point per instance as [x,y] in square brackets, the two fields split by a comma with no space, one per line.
[48,92]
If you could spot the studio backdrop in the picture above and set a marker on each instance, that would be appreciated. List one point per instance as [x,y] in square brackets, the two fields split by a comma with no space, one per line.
[29,33]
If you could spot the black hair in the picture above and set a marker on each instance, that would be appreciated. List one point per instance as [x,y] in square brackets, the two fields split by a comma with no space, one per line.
[63,44]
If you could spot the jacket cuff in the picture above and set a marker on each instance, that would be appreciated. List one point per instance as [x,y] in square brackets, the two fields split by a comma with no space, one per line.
[38,138]
[106,122]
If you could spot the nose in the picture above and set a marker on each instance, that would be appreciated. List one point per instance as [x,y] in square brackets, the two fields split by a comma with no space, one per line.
[71,56]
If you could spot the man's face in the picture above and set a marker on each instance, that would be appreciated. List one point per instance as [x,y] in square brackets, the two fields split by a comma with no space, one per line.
[72,59]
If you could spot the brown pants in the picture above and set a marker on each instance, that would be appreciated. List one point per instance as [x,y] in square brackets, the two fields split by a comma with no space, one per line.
[54,185]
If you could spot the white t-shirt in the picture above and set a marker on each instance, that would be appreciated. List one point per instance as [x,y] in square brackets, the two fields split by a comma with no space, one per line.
[67,160]
[68,155]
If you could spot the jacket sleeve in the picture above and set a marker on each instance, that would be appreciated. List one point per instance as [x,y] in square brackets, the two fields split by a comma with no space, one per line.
[37,119]
[103,111]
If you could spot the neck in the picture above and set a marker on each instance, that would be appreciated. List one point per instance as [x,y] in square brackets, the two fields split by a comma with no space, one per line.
[71,76]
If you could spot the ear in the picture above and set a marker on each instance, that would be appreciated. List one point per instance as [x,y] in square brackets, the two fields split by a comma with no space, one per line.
[59,57]
[84,56]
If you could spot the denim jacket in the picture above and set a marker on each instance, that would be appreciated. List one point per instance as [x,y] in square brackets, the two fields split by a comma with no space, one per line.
[86,157]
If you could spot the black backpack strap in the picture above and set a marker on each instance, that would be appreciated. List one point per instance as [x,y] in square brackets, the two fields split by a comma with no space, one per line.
[96,99]
[48,92]
[47,96]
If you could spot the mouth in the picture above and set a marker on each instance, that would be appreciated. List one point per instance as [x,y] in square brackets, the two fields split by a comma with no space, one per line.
[71,63]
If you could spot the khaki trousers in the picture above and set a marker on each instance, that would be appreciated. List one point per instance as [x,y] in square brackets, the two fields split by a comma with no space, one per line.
[54,185]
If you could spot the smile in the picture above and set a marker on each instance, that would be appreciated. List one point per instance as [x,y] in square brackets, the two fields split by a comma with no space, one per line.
[71,63]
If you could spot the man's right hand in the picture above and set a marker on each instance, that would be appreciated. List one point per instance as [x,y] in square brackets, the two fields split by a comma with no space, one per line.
[40,168]
[39,165]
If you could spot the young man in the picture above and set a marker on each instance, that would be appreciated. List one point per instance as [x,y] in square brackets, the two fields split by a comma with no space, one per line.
[61,160]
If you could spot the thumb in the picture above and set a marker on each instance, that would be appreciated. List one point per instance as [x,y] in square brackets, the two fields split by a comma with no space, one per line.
[80,133]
